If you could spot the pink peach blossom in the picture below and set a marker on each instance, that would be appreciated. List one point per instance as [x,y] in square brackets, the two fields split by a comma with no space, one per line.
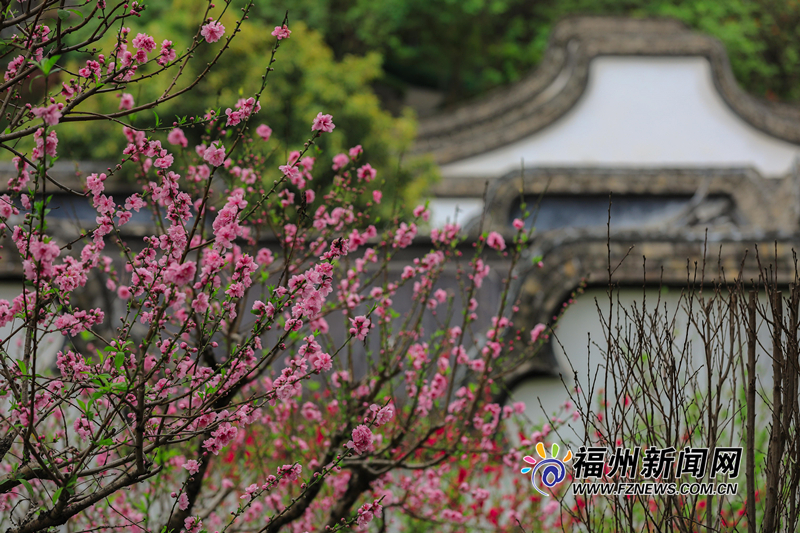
[362,440]
[50,114]
[323,123]
[281,32]
[177,137]
[126,101]
[213,31]
[496,241]
[264,132]
[214,155]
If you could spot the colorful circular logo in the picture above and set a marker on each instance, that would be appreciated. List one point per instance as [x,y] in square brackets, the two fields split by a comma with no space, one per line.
[551,469]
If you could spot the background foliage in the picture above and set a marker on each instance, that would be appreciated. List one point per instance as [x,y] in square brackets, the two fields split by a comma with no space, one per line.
[465,47]
[360,57]
[309,78]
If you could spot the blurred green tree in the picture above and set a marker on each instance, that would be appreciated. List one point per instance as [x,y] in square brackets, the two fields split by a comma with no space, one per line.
[311,79]
[344,52]
[466,47]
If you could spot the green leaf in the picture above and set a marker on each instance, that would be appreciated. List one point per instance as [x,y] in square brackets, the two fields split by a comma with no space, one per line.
[158,120]
[71,484]
[47,64]
[63,14]
[56,494]
[29,487]
[119,359]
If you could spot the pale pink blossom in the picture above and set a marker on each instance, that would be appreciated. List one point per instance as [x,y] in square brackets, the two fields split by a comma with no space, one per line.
[192,524]
[183,502]
[537,331]
[144,42]
[123,292]
[192,466]
[291,472]
[164,161]
[290,171]
[361,326]
[496,241]
[264,132]
[281,32]
[177,137]
[167,54]
[264,257]
[323,123]
[321,361]
[362,440]
[355,151]
[14,66]
[200,303]
[367,173]
[213,31]
[50,114]
[405,235]
[44,146]
[83,427]
[249,491]
[477,365]
[180,274]
[91,69]
[7,207]
[310,412]
[125,101]
[450,515]
[423,212]
[367,512]
[440,295]
[340,161]
[384,415]
[215,154]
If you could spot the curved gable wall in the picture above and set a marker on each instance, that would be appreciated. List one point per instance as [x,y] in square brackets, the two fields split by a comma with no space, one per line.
[617,92]
[645,112]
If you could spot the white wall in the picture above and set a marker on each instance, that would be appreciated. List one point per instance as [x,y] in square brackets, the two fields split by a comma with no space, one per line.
[461,210]
[582,321]
[642,112]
